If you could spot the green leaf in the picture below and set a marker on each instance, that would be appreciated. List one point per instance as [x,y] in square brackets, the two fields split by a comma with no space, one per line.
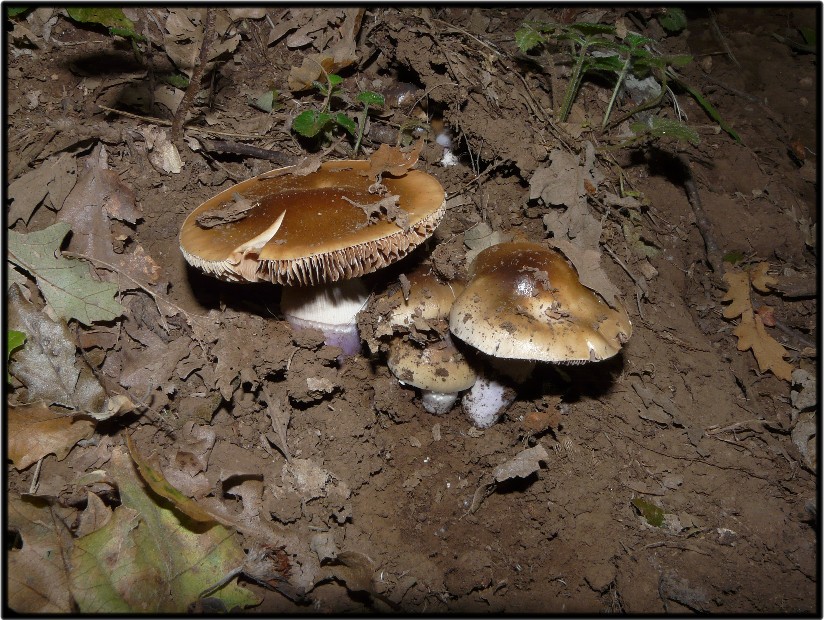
[178,80]
[652,514]
[733,257]
[311,122]
[347,123]
[634,39]
[527,38]
[334,79]
[590,29]
[150,559]
[66,284]
[708,107]
[14,11]
[667,128]
[111,18]
[606,63]
[673,20]
[16,340]
[370,98]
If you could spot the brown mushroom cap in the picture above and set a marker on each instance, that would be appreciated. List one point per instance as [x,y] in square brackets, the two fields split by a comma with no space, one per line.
[524,301]
[427,298]
[437,367]
[321,237]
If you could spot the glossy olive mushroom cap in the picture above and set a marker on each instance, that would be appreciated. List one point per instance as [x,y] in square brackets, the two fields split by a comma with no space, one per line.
[524,301]
[304,230]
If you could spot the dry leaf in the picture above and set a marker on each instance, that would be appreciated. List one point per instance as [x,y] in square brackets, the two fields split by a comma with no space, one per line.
[53,179]
[523,464]
[751,332]
[36,575]
[35,431]
[47,365]
[738,293]
[150,472]
[162,153]
[761,281]
[98,197]
[393,161]
[768,352]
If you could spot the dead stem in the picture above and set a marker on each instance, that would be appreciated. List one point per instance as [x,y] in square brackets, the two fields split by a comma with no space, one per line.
[197,74]
[165,123]
[714,256]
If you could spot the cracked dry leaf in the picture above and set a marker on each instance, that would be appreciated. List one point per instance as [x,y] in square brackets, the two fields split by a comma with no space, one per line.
[34,431]
[66,284]
[36,577]
[47,365]
[150,559]
[523,464]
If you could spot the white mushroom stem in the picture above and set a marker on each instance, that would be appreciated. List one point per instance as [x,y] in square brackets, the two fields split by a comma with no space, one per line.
[487,400]
[438,403]
[331,308]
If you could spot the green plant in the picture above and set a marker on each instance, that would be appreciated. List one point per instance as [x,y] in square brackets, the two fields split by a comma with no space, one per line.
[599,48]
[113,19]
[310,123]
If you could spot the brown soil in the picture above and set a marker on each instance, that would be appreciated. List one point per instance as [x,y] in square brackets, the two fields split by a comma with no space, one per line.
[681,419]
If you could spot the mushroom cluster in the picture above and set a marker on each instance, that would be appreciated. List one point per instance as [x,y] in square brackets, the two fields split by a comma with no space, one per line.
[316,234]
[524,304]
[425,356]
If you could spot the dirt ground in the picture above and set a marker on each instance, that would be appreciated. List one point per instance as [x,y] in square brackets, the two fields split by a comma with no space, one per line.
[677,477]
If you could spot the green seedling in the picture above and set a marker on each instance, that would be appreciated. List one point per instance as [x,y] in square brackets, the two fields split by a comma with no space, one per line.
[367,98]
[310,123]
[15,340]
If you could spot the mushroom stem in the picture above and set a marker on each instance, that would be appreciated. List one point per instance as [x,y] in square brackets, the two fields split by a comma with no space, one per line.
[438,403]
[487,400]
[331,308]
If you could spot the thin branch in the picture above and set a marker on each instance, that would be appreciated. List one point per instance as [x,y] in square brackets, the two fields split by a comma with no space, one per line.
[714,256]
[165,123]
[197,75]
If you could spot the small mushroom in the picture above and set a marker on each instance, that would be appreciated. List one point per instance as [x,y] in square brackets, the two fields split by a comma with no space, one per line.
[438,369]
[525,304]
[426,357]
[315,234]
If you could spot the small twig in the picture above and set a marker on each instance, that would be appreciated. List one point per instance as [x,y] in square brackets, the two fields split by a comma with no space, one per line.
[165,123]
[723,40]
[714,256]
[639,283]
[35,481]
[197,75]
[238,148]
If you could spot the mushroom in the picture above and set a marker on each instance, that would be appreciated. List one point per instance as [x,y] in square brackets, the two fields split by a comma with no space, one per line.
[525,304]
[437,368]
[426,357]
[316,234]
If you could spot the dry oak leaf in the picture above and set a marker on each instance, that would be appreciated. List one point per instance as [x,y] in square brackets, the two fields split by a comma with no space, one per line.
[35,431]
[36,575]
[768,352]
[750,331]
[393,161]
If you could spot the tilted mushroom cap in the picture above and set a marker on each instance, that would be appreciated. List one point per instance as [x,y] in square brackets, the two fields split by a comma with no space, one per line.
[524,301]
[427,298]
[303,230]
